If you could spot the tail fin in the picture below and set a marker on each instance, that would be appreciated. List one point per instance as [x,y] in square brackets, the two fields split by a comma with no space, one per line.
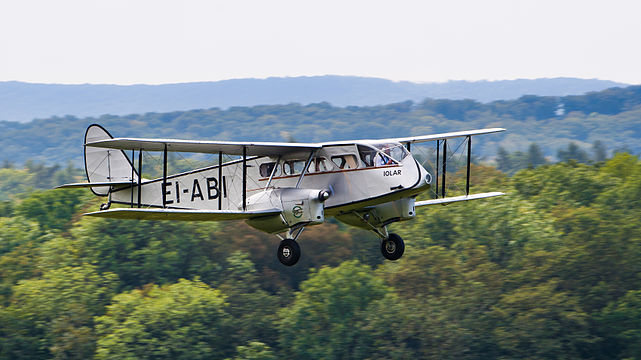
[105,165]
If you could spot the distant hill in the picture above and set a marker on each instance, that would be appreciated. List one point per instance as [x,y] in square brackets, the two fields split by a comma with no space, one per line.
[612,116]
[23,102]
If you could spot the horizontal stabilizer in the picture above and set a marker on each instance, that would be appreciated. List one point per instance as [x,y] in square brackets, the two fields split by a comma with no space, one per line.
[180,214]
[448,200]
[93,184]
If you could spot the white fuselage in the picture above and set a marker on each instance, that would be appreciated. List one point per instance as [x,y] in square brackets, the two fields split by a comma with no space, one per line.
[342,169]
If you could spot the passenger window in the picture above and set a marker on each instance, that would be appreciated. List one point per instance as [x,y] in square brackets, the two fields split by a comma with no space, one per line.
[293,167]
[347,161]
[318,165]
[266,169]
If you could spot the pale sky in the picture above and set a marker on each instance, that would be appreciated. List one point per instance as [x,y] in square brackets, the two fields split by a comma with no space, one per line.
[158,41]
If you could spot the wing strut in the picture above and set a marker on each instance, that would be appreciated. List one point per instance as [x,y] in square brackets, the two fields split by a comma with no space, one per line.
[469,160]
[220,180]
[271,176]
[309,161]
[438,149]
[139,177]
[164,177]
[133,157]
[444,167]
[244,178]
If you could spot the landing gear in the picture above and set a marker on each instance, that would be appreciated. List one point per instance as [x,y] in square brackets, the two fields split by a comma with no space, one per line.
[288,252]
[392,247]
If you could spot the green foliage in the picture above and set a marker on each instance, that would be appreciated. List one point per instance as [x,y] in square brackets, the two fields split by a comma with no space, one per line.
[326,317]
[6,208]
[185,320]
[143,252]
[53,315]
[52,209]
[551,270]
[14,182]
[620,324]
[254,350]
[539,322]
[573,152]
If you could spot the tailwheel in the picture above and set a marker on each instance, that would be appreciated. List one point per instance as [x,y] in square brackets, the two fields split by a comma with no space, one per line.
[392,247]
[288,252]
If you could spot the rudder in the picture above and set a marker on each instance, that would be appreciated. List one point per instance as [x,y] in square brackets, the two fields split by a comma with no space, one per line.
[105,165]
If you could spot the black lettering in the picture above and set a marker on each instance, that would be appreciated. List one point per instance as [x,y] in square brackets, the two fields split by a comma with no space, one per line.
[225,187]
[196,192]
[211,187]
[177,192]
[167,190]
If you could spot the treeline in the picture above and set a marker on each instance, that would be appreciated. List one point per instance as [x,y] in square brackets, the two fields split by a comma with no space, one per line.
[510,162]
[611,116]
[15,181]
[550,271]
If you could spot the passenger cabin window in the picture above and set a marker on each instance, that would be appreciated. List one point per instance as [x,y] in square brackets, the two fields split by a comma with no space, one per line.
[347,161]
[266,169]
[293,167]
[318,164]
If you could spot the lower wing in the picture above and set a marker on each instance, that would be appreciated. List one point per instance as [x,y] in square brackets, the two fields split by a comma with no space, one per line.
[452,199]
[180,214]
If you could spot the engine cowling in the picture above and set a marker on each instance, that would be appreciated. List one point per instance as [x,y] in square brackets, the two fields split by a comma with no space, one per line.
[299,207]
[380,215]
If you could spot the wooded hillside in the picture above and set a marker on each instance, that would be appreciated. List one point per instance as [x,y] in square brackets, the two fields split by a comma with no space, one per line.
[550,271]
[612,116]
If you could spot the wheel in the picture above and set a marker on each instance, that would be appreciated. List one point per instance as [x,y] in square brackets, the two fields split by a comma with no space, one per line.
[288,252]
[392,247]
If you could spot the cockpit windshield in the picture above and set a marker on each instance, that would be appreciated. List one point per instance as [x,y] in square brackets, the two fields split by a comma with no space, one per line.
[394,150]
[381,154]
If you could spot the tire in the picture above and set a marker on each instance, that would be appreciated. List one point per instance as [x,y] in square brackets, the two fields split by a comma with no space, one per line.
[393,247]
[288,252]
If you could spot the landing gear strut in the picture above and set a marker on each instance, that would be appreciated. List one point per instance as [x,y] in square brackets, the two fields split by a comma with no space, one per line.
[392,247]
[288,252]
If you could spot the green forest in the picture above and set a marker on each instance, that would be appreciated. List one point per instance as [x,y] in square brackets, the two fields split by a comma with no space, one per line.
[610,116]
[552,270]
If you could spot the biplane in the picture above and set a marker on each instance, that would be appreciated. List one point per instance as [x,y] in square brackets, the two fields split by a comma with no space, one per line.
[279,188]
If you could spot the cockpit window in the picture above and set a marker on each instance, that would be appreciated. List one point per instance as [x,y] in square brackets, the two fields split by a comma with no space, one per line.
[394,150]
[371,157]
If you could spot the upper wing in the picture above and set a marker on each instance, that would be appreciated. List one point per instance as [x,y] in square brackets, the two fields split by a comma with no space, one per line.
[180,214]
[424,138]
[211,147]
[447,200]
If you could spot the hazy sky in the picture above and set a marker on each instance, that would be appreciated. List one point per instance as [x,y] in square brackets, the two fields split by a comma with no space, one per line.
[156,41]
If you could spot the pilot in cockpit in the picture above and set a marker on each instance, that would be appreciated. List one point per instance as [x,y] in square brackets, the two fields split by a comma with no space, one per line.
[384,158]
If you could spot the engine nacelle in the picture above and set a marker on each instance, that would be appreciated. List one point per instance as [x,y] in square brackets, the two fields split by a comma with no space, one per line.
[299,207]
[380,215]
